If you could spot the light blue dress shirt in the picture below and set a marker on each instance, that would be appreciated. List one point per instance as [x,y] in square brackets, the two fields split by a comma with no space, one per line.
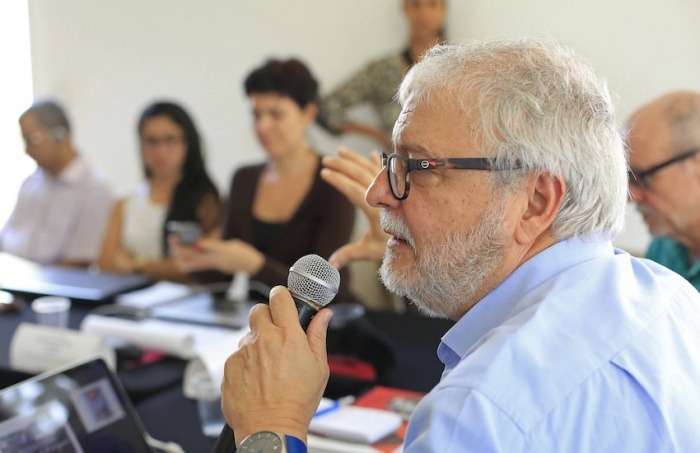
[582,349]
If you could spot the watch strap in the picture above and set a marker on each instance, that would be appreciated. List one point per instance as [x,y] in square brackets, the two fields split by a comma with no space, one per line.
[291,444]
[294,444]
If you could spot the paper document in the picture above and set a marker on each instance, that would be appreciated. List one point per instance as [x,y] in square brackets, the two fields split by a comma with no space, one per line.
[212,360]
[356,424]
[179,339]
[155,294]
[35,348]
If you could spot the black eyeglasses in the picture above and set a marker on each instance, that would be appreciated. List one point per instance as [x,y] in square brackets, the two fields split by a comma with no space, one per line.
[34,139]
[399,166]
[38,137]
[639,178]
[169,141]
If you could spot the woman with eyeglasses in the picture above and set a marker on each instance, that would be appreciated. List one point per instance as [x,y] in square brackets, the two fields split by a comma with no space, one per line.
[278,210]
[177,189]
[376,83]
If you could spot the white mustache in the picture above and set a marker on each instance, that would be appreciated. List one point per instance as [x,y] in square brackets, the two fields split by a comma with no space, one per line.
[395,226]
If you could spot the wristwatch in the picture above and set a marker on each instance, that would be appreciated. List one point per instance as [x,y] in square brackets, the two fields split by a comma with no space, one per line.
[269,442]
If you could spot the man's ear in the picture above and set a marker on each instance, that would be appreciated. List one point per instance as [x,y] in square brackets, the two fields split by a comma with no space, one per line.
[544,196]
[59,134]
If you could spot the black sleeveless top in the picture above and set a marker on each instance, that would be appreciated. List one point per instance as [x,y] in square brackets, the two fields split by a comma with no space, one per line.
[263,233]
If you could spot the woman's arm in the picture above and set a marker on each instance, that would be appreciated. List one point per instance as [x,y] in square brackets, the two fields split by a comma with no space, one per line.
[229,256]
[209,217]
[113,257]
[209,214]
[359,89]
[213,254]
[334,107]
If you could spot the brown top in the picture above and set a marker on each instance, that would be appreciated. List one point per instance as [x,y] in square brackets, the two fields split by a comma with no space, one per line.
[322,223]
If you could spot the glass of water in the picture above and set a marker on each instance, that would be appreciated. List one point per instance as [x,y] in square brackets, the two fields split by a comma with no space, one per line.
[208,396]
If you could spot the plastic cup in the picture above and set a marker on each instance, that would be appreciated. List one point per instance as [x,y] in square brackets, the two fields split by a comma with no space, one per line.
[52,311]
[208,404]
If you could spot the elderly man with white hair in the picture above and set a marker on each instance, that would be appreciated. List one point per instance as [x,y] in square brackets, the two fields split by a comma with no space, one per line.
[500,202]
[664,142]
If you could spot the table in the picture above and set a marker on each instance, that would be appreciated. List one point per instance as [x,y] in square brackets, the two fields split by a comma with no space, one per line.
[168,415]
[140,383]
[156,389]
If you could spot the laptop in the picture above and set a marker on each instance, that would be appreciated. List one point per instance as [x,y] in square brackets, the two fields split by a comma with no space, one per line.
[79,408]
[20,275]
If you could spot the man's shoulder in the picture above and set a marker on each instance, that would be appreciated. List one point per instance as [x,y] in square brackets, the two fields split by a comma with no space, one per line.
[664,249]
[99,186]
[559,338]
[82,172]
[33,179]
[33,188]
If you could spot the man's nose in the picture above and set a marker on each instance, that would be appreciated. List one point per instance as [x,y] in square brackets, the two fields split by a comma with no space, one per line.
[379,193]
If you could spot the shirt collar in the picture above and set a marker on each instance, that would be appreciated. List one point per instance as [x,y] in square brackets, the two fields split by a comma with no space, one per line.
[503,302]
[688,269]
[75,171]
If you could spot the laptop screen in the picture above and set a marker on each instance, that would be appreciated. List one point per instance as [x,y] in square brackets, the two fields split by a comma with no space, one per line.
[78,409]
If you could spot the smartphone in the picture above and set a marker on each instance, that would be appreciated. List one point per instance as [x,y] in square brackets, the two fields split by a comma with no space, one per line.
[186,232]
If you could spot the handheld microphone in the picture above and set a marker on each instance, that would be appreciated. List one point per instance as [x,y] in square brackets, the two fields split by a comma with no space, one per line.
[313,282]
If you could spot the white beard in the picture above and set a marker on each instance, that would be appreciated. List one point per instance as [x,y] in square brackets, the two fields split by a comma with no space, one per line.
[658,226]
[454,267]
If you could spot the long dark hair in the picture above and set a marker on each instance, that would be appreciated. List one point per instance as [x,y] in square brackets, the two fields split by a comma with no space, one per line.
[195,182]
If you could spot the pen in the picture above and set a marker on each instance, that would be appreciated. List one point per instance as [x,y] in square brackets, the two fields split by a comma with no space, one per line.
[335,405]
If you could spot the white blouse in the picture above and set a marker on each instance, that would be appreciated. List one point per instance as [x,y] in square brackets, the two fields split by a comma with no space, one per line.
[142,230]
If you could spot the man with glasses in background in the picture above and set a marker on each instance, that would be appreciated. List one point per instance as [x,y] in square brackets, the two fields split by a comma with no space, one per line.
[664,179]
[63,207]
[508,183]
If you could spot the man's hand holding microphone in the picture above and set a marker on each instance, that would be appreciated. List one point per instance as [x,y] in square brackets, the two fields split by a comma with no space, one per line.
[275,380]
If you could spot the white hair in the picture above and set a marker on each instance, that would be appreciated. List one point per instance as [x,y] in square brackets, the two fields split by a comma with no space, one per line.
[539,108]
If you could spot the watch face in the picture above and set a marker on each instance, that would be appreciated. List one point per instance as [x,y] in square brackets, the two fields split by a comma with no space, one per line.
[262,442]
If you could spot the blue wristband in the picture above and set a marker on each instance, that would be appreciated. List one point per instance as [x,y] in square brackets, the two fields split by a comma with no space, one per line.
[295,445]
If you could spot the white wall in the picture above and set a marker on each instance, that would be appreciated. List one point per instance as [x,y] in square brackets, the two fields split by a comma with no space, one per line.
[106,60]
[16,94]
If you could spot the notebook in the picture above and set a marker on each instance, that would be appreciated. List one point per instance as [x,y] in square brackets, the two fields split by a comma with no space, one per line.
[79,408]
[19,275]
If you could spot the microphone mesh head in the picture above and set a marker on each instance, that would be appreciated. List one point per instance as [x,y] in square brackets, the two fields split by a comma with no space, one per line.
[314,278]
